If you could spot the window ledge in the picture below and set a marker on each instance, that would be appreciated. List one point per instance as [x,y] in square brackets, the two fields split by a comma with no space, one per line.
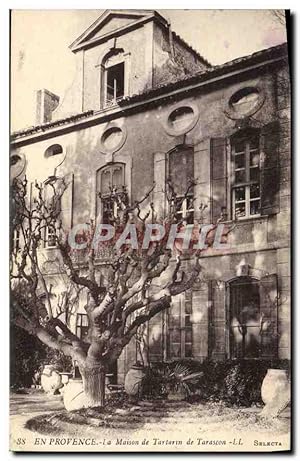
[246,220]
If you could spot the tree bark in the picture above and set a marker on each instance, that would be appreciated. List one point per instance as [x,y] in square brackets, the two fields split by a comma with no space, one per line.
[94,384]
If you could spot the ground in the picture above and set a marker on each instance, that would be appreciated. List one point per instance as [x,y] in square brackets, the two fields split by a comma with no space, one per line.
[171,426]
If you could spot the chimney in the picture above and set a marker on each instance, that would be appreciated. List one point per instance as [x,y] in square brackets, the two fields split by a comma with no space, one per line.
[46,102]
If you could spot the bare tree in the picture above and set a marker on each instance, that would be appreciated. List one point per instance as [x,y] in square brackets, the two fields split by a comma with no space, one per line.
[279,16]
[120,298]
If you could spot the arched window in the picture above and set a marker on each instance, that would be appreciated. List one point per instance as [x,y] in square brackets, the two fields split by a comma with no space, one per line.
[180,178]
[110,179]
[113,78]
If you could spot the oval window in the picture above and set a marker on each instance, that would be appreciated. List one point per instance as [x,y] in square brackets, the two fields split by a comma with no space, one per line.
[181,118]
[14,159]
[245,100]
[112,138]
[53,150]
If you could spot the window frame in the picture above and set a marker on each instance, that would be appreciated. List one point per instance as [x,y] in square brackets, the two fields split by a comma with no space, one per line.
[229,347]
[247,168]
[101,200]
[79,325]
[16,240]
[47,238]
[184,210]
[117,58]
[183,328]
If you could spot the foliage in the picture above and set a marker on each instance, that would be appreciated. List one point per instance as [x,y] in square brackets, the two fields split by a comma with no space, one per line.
[236,382]
[162,379]
[29,355]
[60,361]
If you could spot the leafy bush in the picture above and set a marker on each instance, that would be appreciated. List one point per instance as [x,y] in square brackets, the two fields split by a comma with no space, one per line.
[236,382]
[29,355]
[162,379]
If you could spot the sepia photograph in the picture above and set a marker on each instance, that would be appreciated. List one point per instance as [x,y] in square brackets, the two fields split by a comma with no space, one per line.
[150,230]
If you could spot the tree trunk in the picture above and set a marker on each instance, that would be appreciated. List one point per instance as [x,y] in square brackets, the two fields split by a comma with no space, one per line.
[94,385]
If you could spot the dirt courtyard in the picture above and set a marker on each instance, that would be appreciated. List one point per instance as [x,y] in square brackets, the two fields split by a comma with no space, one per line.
[146,426]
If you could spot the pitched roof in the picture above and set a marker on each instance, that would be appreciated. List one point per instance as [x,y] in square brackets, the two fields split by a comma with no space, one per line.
[98,30]
[262,56]
[213,71]
[123,19]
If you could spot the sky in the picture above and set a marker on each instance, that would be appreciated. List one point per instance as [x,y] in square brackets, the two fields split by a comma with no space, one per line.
[44,36]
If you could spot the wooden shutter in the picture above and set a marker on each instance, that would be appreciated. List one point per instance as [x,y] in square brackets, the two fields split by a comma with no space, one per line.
[218,177]
[270,183]
[200,321]
[67,203]
[218,321]
[269,312]
[160,183]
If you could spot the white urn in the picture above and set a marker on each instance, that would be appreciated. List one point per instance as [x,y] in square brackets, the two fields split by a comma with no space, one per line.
[50,380]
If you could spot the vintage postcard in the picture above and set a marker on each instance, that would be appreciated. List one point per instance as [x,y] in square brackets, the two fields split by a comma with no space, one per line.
[150,231]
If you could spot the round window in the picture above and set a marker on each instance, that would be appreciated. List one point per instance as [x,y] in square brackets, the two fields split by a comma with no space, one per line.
[17,164]
[112,139]
[181,119]
[14,159]
[245,101]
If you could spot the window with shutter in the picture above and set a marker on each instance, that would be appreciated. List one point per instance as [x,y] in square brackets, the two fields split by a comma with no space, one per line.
[218,168]
[180,177]
[110,179]
[180,329]
[218,335]
[246,189]
[269,175]
[155,338]
[252,319]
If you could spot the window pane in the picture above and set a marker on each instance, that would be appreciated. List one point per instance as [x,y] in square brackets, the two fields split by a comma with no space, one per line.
[181,169]
[254,191]
[239,146]
[117,176]
[254,142]
[188,350]
[239,194]
[240,210]
[188,321]
[243,102]
[244,318]
[175,335]
[240,176]
[254,174]
[174,321]
[115,81]
[188,335]
[240,161]
[181,118]
[112,138]
[254,158]
[190,203]
[190,218]
[105,181]
[255,207]
[175,350]
[188,307]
